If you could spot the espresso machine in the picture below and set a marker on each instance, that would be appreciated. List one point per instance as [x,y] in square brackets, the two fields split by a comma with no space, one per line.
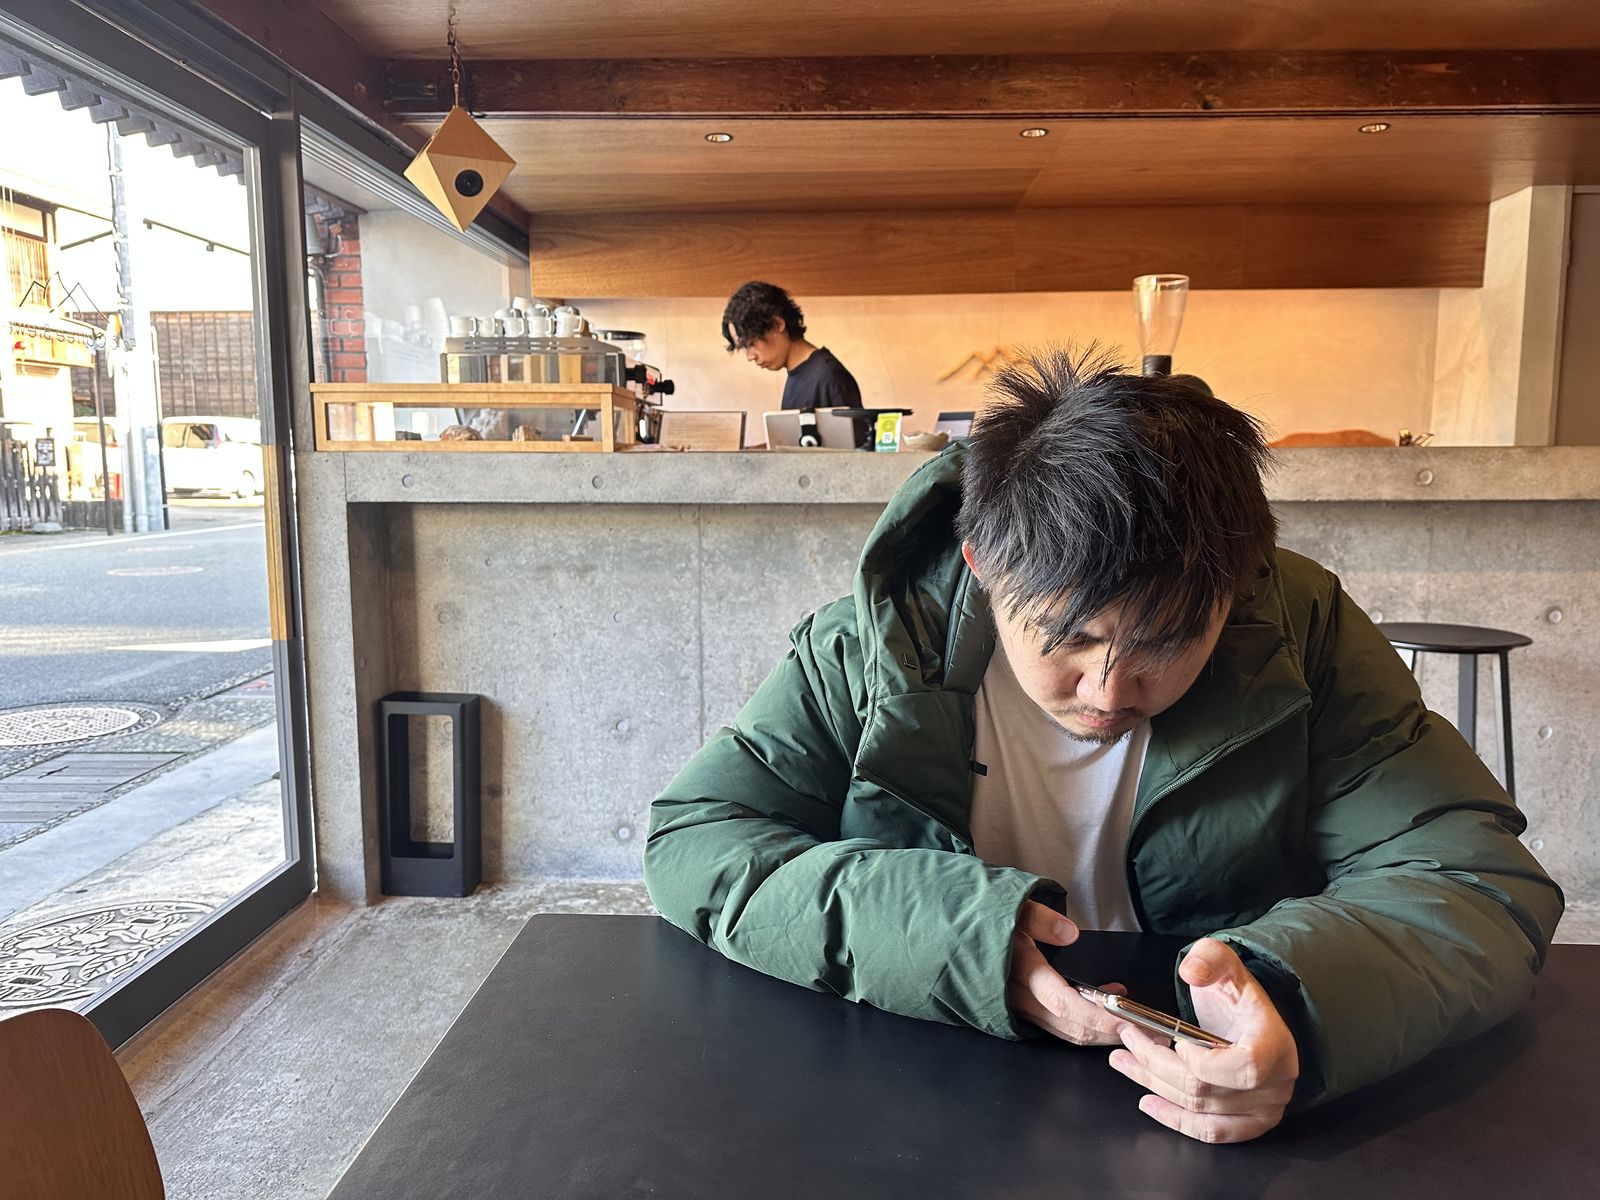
[645,381]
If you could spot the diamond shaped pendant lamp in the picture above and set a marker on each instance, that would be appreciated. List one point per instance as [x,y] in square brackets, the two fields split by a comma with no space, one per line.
[460,168]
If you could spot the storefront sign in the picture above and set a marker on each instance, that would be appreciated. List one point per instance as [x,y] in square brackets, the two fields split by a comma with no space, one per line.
[50,347]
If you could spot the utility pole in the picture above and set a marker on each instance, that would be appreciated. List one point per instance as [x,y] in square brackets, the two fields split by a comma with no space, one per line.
[133,371]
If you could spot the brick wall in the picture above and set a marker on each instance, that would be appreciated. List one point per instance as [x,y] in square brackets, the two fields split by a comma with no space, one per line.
[342,346]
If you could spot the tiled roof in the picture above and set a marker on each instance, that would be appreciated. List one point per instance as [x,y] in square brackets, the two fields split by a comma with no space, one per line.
[38,79]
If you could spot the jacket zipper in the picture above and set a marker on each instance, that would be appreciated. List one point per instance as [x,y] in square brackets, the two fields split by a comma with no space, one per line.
[1203,764]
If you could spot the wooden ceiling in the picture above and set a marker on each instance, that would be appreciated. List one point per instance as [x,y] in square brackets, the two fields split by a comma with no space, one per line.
[626,165]
[1235,123]
[539,29]
[1256,101]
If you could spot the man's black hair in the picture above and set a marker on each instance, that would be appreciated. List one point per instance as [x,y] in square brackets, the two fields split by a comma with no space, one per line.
[1085,486]
[754,311]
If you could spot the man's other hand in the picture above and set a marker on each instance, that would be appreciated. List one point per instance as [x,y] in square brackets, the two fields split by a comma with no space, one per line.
[1037,993]
[1231,1094]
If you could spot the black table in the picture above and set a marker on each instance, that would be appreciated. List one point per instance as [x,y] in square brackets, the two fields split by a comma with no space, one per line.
[613,1057]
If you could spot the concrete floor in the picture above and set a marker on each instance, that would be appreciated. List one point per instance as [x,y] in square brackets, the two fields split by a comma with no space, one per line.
[268,1078]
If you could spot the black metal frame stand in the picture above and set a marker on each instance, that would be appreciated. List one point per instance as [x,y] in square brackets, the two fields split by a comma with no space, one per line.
[408,867]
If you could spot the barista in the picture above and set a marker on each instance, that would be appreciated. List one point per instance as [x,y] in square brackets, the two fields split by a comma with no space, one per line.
[763,320]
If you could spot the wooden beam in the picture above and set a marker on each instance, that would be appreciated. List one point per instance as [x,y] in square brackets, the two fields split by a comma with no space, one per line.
[1042,86]
[1029,250]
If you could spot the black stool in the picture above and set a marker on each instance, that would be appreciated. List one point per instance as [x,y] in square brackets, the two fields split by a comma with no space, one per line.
[1468,641]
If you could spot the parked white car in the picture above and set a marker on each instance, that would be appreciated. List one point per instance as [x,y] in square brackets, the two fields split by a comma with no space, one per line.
[213,454]
[85,469]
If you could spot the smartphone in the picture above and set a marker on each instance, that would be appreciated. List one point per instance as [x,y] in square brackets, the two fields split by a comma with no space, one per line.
[1146,1017]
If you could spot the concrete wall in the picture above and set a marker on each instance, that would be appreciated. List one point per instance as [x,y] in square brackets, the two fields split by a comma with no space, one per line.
[609,642]
[1533,568]
[615,611]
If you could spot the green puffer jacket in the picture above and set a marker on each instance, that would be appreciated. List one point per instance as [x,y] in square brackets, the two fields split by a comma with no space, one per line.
[1299,803]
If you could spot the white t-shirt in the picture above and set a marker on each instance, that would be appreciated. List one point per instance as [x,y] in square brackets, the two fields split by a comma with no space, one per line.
[1052,804]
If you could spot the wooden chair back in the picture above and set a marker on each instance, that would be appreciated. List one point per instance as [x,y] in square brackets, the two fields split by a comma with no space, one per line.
[69,1125]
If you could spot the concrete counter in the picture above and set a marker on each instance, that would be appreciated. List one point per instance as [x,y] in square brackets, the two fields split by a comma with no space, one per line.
[615,610]
[1425,474]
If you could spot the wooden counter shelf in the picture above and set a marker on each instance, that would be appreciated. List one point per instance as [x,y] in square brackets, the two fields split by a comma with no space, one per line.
[334,432]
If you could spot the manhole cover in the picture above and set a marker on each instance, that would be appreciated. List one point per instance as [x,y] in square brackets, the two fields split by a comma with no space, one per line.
[70,958]
[48,726]
[149,572]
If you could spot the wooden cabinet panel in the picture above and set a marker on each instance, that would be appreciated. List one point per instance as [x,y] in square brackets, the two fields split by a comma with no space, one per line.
[855,253]
[1029,250]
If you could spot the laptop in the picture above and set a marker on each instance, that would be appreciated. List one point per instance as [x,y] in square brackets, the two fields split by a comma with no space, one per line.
[794,428]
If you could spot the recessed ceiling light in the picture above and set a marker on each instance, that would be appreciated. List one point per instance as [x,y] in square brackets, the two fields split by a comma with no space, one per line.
[1375,127]
[719,137]
[1035,131]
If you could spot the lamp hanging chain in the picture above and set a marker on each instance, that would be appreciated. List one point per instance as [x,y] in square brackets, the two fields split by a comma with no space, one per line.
[455,55]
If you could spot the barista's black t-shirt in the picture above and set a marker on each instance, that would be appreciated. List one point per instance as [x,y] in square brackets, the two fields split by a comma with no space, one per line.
[821,382]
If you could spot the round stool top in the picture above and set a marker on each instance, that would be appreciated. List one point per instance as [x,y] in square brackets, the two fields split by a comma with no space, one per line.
[1450,639]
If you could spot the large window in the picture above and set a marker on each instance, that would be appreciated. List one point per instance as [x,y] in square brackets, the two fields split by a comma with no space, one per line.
[153,810]
[162,257]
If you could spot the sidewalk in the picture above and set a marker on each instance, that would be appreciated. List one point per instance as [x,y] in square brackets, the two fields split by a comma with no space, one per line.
[187,514]
[24,539]
[64,857]
[71,776]
[83,903]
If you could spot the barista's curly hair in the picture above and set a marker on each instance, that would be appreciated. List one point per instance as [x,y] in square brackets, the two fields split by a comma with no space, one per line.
[1085,486]
[754,310]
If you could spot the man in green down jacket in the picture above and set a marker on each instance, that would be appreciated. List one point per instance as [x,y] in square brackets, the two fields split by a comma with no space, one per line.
[1077,679]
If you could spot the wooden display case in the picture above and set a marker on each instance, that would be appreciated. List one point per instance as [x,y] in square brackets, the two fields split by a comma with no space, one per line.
[361,416]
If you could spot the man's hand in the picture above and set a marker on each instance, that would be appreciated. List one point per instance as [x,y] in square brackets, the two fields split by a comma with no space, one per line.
[1037,993]
[1231,1094]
